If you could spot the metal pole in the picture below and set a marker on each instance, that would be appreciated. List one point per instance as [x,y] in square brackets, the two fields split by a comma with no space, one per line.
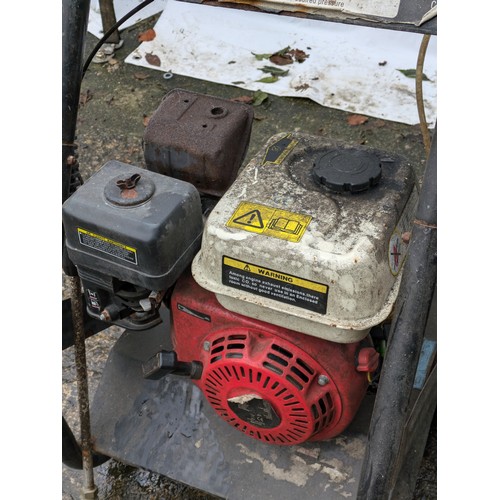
[89,488]
[75,15]
[108,18]
[390,411]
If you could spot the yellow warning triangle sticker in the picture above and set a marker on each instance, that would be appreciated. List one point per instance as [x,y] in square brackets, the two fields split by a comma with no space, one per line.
[252,219]
[269,221]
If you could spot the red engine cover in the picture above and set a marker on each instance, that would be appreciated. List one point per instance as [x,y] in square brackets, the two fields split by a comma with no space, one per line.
[273,384]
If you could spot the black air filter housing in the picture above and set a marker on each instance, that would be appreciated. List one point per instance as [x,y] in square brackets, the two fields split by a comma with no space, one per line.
[134,225]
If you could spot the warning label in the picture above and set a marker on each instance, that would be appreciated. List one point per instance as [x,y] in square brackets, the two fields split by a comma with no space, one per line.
[269,221]
[274,285]
[105,245]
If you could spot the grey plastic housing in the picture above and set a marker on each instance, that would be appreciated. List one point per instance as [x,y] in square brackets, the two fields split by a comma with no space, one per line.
[146,236]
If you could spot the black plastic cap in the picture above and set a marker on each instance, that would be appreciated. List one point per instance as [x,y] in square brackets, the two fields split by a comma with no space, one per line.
[139,191]
[347,170]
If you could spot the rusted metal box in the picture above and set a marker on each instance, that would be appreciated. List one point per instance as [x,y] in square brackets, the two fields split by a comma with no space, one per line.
[199,139]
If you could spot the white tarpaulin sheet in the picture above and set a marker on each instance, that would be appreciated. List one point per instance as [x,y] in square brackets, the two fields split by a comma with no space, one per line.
[351,68]
[121,8]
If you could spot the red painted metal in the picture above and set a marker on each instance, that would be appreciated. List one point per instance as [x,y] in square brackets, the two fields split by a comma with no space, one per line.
[304,388]
[368,359]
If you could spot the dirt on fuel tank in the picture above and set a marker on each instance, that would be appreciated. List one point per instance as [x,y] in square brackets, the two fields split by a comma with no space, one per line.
[117,100]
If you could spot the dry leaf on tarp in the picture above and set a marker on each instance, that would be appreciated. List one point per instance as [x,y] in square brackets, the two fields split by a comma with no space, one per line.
[147,36]
[269,79]
[274,71]
[153,59]
[300,88]
[261,57]
[284,56]
[299,55]
[412,73]
[281,59]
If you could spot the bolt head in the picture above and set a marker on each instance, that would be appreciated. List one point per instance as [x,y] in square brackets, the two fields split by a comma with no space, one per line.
[406,237]
[104,316]
[206,345]
[323,380]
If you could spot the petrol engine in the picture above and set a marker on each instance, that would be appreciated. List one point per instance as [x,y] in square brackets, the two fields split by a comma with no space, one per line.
[276,274]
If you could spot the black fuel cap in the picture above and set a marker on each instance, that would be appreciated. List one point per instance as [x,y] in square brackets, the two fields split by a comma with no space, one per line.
[349,170]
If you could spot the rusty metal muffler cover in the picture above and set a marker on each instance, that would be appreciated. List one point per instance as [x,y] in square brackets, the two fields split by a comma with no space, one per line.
[199,139]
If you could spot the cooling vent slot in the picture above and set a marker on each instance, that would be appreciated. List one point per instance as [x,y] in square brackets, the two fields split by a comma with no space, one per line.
[294,369]
[231,346]
[323,412]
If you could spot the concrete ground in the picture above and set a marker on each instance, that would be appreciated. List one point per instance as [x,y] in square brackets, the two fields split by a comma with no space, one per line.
[117,100]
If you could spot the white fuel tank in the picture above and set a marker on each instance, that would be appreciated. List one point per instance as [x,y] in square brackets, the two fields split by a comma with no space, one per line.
[310,237]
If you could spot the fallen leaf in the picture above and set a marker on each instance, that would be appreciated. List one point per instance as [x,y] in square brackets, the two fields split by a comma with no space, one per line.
[412,73]
[145,120]
[85,97]
[141,76]
[354,120]
[269,79]
[113,61]
[153,59]
[147,36]
[299,55]
[259,97]
[282,52]
[281,60]
[112,67]
[304,86]
[284,56]
[274,71]
[243,98]
[379,123]
[261,57]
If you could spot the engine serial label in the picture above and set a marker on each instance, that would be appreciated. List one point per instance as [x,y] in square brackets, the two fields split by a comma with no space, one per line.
[274,285]
[108,246]
[269,221]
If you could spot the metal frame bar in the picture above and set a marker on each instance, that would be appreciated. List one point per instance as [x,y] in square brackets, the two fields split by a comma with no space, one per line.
[392,403]
[75,14]
[109,20]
